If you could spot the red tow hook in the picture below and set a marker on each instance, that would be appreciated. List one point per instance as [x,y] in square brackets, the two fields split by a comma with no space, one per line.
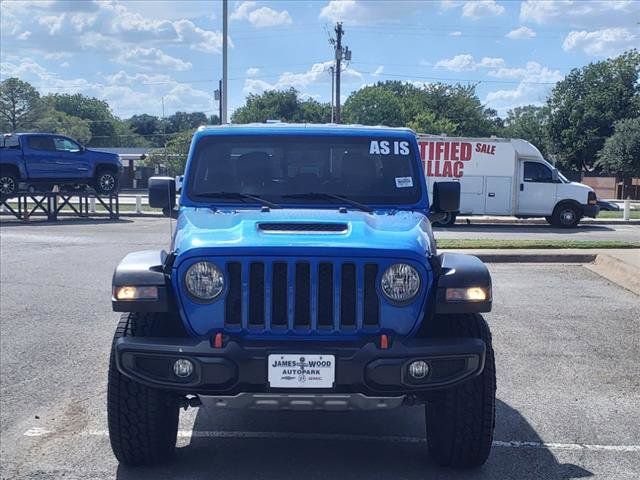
[217,340]
[384,341]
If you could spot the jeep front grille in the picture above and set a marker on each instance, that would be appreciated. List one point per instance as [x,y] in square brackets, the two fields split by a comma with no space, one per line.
[302,295]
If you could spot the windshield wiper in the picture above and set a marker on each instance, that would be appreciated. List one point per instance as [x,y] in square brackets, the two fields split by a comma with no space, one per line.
[238,196]
[331,196]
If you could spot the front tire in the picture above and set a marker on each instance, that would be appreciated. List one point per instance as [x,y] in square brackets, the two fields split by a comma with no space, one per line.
[143,421]
[460,421]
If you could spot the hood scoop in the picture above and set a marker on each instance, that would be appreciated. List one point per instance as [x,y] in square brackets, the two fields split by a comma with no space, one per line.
[299,227]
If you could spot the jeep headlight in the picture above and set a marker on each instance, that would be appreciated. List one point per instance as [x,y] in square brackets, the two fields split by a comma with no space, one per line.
[400,282]
[204,281]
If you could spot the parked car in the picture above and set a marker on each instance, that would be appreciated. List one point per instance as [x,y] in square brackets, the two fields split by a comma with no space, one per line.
[505,176]
[303,274]
[40,160]
[608,206]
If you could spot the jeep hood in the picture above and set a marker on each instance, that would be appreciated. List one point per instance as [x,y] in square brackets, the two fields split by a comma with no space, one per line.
[203,231]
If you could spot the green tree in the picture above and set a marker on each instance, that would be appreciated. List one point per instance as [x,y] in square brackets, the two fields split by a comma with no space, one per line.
[147,126]
[529,123]
[104,124]
[585,105]
[428,122]
[374,105]
[181,121]
[620,155]
[174,156]
[59,122]
[283,105]
[20,105]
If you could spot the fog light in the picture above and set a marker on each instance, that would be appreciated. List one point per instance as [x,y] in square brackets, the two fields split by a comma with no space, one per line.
[470,294]
[418,369]
[130,292]
[182,368]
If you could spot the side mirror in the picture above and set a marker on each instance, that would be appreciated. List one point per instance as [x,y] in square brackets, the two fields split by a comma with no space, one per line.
[162,193]
[446,199]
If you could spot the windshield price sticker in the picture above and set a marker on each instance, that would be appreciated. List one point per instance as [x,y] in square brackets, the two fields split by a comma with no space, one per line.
[301,371]
[388,147]
[404,182]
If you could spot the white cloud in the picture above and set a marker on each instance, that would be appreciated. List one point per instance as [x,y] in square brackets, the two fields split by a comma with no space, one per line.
[466,62]
[482,8]
[360,12]
[521,33]
[152,57]
[378,71]
[252,72]
[317,74]
[579,13]
[456,33]
[535,83]
[24,35]
[260,17]
[601,43]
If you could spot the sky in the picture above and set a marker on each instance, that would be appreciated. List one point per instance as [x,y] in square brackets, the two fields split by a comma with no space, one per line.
[135,54]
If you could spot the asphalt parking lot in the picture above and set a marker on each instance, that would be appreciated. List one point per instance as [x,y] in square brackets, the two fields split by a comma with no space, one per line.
[568,360]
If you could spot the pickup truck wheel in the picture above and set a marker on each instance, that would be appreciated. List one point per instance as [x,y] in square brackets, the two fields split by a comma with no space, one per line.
[8,184]
[460,421]
[106,182]
[143,421]
[566,215]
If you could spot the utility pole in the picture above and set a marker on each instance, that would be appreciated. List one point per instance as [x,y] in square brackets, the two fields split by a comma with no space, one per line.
[333,93]
[225,34]
[219,98]
[340,54]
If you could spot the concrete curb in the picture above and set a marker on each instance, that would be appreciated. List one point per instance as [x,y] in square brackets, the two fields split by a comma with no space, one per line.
[514,257]
[618,271]
[462,221]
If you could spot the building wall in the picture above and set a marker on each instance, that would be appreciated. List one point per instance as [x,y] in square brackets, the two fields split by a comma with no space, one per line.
[605,187]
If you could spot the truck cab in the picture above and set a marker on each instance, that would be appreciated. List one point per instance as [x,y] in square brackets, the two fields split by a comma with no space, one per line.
[302,274]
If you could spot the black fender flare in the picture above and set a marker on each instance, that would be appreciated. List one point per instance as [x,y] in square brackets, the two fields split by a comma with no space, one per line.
[458,270]
[143,269]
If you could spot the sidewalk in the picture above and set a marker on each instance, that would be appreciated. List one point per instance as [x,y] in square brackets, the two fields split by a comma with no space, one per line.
[621,266]
[485,219]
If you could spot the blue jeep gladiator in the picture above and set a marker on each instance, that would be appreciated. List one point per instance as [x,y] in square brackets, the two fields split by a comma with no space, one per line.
[42,160]
[302,274]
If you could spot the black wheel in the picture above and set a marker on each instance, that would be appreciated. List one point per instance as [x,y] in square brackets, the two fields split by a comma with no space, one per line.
[460,421]
[143,421]
[106,182]
[8,184]
[448,221]
[566,215]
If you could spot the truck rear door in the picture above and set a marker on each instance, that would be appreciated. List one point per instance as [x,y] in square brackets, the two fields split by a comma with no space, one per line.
[537,192]
[40,156]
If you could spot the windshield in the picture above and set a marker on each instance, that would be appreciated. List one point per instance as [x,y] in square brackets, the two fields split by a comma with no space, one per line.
[284,168]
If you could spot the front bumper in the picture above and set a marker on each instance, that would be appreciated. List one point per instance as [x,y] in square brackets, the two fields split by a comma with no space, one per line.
[241,366]
[590,210]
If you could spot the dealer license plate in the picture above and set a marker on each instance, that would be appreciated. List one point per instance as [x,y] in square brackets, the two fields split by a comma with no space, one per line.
[301,370]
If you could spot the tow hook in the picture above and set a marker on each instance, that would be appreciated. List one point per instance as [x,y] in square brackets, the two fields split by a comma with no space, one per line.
[186,402]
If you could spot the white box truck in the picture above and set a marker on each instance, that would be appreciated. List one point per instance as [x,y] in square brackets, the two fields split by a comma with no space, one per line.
[504,176]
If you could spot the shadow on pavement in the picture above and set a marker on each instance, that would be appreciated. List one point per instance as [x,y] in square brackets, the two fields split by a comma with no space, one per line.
[346,455]
[41,221]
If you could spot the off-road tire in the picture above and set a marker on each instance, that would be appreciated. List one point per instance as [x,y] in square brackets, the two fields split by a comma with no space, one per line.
[566,215]
[143,421]
[460,421]
[106,182]
[448,221]
[8,184]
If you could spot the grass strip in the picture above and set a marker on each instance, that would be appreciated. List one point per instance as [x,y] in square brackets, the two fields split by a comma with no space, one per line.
[451,243]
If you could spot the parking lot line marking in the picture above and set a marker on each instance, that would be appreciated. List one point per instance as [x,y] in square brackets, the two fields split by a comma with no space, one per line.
[37,432]
[383,439]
